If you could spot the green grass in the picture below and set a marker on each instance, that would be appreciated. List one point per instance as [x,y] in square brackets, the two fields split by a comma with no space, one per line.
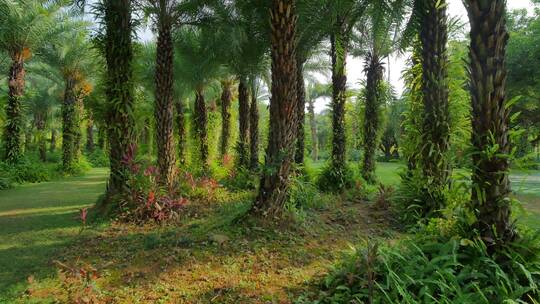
[37,220]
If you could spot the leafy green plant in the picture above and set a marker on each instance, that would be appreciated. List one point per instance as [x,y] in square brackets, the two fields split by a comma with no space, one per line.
[431,269]
[98,158]
[336,180]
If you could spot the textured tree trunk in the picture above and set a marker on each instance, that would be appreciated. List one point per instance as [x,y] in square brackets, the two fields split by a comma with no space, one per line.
[490,119]
[243,122]
[201,123]
[254,133]
[436,118]
[90,133]
[273,190]
[181,129]
[52,147]
[164,111]
[119,92]
[339,83]
[28,139]
[313,128]
[226,98]
[68,125]
[12,132]
[101,137]
[374,77]
[301,112]
[79,109]
[40,120]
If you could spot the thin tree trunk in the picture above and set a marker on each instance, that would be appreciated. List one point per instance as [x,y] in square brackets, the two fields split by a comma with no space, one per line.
[313,128]
[374,78]
[79,109]
[52,147]
[68,125]
[90,133]
[164,111]
[436,117]
[490,120]
[254,132]
[339,83]
[12,132]
[181,129]
[226,98]
[301,112]
[201,123]
[40,120]
[119,92]
[243,123]
[273,190]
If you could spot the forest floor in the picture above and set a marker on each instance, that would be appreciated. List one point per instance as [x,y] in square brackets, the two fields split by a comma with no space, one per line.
[206,258]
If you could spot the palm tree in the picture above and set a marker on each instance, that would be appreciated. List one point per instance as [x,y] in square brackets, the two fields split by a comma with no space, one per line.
[343,16]
[41,107]
[379,33]
[164,12]
[436,116]
[254,125]
[280,152]
[315,90]
[243,123]
[226,99]
[117,46]
[24,25]
[200,66]
[71,54]
[490,118]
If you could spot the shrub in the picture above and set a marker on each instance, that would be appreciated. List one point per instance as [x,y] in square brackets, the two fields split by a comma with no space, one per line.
[25,171]
[435,270]
[334,180]
[98,158]
[241,179]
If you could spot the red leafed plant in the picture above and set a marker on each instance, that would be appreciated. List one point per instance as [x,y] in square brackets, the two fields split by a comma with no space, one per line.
[79,281]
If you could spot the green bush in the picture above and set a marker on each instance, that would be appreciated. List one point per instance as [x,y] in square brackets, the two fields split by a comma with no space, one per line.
[333,180]
[25,172]
[431,269]
[98,158]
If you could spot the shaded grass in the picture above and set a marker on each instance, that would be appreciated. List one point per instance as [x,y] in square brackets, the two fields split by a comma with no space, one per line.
[36,221]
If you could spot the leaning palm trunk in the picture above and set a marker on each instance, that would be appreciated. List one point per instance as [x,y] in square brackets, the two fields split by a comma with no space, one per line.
[274,184]
[313,127]
[243,123]
[254,133]
[181,129]
[201,123]
[164,111]
[339,82]
[226,98]
[301,106]
[68,125]
[52,147]
[12,132]
[436,118]
[119,92]
[374,71]
[490,118]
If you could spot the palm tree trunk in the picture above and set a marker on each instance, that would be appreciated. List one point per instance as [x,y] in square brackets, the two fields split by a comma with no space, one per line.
[243,122]
[90,133]
[301,112]
[274,184]
[79,109]
[101,137]
[12,132]
[490,119]
[254,133]
[40,120]
[374,78]
[181,129]
[313,128]
[201,123]
[68,125]
[339,86]
[226,98]
[164,112]
[119,92]
[52,147]
[436,118]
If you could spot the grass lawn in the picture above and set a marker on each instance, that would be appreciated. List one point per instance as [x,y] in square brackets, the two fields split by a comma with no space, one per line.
[37,220]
